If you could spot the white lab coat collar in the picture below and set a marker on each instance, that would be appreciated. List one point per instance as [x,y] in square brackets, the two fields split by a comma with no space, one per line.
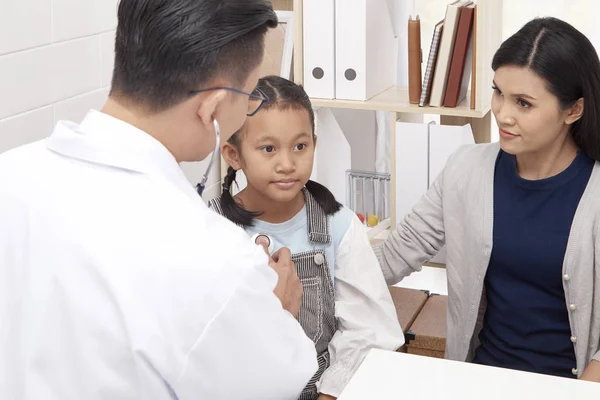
[105,140]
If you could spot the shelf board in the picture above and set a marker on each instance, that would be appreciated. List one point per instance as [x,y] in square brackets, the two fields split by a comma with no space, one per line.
[395,99]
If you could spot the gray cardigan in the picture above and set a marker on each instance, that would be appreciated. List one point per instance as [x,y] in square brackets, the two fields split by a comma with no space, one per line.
[458,211]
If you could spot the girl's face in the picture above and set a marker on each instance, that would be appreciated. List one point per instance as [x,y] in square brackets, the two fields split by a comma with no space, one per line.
[529,116]
[276,153]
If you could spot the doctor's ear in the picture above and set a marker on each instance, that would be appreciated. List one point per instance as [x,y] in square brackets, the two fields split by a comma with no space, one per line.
[209,105]
[231,155]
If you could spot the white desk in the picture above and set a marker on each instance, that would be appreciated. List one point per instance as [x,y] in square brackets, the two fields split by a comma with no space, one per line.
[429,278]
[388,375]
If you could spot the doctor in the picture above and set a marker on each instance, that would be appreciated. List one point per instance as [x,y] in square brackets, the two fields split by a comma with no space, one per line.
[116,281]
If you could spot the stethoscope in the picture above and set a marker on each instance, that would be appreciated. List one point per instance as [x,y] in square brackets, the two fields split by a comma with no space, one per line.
[202,185]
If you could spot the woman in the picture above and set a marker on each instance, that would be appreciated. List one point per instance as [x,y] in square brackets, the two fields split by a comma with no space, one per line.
[519,217]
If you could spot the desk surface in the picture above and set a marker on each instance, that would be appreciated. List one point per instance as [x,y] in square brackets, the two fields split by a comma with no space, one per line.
[388,375]
[429,278]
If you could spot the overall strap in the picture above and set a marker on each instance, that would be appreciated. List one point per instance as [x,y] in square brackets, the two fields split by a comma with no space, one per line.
[319,229]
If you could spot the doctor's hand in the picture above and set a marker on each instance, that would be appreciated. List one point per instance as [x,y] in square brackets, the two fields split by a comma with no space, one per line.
[289,288]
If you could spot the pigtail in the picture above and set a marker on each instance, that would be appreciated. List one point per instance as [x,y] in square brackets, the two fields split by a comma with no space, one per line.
[323,197]
[231,209]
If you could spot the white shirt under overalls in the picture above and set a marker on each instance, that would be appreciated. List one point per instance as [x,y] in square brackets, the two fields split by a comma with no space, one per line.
[336,248]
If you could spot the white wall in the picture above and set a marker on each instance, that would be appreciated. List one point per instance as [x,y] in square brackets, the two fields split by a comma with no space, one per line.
[55,63]
[56,59]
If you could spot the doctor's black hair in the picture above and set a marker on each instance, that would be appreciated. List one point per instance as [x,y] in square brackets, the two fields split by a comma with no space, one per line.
[166,49]
[283,95]
[568,62]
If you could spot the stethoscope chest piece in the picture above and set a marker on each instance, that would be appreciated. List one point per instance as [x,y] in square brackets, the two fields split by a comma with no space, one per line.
[258,236]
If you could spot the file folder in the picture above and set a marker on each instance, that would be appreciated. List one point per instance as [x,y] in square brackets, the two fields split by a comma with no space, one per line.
[366,49]
[319,48]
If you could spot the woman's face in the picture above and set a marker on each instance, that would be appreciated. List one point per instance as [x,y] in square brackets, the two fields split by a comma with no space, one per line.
[529,117]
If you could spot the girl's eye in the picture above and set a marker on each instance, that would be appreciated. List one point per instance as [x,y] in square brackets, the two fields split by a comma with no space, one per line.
[523,103]
[497,91]
[300,146]
[268,149]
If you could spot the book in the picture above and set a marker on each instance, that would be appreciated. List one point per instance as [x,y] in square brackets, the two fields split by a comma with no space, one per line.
[460,66]
[431,64]
[415,58]
[438,89]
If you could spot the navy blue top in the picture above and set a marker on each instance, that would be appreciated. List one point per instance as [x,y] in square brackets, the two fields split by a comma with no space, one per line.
[526,325]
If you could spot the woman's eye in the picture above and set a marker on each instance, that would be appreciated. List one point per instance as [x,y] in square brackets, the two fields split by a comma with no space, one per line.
[523,103]
[300,146]
[496,90]
[268,149]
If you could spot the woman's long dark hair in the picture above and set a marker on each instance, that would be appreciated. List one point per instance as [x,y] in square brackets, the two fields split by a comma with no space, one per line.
[283,95]
[569,64]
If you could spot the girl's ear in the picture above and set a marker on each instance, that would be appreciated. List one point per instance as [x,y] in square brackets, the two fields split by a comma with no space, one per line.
[315,140]
[231,155]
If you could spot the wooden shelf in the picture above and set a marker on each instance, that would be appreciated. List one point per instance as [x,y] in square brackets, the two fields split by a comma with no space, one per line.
[395,99]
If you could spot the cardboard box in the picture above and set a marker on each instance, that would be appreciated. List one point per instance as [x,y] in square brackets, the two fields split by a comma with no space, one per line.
[427,334]
[408,303]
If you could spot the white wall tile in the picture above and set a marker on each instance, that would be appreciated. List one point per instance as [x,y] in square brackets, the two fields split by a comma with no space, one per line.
[108,57]
[78,18]
[38,77]
[76,67]
[76,108]
[26,128]
[24,24]
[25,81]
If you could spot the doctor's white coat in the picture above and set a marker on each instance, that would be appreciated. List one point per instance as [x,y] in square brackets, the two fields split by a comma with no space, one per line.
[117,281]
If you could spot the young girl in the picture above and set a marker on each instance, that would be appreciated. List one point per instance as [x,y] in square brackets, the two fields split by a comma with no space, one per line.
[346,307]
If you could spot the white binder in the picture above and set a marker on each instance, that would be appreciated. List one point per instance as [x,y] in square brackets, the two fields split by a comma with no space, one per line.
[366,49]
[319,48]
